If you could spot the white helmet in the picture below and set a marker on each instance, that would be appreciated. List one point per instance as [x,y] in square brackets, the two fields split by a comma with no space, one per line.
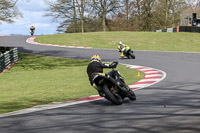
[120,43]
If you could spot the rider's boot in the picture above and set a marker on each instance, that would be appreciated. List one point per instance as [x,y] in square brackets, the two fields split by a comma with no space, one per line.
[122,54]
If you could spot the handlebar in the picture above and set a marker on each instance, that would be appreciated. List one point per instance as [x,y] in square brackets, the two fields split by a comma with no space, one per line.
[114,64]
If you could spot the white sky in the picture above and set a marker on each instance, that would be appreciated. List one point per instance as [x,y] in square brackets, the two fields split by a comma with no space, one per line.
[32,12]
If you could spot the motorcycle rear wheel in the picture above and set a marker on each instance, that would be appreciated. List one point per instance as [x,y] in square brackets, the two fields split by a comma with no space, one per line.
[117,100]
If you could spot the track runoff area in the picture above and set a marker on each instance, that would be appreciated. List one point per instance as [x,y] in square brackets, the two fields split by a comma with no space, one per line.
[152,76]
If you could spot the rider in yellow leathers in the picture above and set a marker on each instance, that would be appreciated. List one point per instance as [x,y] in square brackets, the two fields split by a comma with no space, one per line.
[122,48]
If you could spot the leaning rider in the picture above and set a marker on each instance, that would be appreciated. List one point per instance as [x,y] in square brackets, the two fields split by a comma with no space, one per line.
[122,48]
[96,66]
[32,28]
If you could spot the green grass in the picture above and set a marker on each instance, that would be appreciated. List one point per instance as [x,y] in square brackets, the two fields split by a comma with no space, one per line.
[37,80]
[159,41]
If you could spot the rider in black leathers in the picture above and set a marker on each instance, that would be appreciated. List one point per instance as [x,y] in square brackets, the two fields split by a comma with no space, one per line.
[96,66]
[32,29]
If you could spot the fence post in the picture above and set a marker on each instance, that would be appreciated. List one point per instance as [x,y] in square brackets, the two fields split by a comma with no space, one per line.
[15,54]
[2,63]
[177,29]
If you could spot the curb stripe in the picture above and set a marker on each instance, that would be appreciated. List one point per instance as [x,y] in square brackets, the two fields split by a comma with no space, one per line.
[152,77]
[145,82]
[141,68]
[149,70]
[153,73]
[156,75]
[31,41]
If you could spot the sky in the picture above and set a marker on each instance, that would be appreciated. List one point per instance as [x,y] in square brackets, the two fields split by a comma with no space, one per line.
[33,14]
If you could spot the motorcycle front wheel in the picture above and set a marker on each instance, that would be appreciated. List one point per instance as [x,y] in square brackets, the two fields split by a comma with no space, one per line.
[131,54]
[131,95]
[117,100]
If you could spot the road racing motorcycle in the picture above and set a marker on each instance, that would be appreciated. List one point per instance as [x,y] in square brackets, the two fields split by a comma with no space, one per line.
[128,52]
[112,86]
[32,32]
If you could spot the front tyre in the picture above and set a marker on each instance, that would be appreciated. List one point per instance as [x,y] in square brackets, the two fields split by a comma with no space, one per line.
[131,54]
[131,95]
[117,100]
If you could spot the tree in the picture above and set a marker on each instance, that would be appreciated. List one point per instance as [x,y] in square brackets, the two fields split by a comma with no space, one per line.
[136,10]
[64,10]
[103,7]
[135,15]
[140,15]
[69,11]
[127,7]
[147,14]
[81,8]
[168,12]
[9,11]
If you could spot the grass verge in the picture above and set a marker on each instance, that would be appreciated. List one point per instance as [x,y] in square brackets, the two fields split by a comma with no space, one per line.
[159,41]
[37,80]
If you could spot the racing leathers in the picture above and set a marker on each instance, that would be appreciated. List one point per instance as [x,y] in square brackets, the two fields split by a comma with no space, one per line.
[96,67]
[32,28]
[122,49]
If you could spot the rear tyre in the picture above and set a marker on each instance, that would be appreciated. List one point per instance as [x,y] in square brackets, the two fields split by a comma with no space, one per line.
[117,100]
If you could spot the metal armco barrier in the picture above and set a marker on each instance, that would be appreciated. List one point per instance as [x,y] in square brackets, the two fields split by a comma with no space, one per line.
[8,58]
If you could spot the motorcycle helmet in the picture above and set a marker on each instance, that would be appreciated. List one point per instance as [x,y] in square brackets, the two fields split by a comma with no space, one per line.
[95,58]
[120,43]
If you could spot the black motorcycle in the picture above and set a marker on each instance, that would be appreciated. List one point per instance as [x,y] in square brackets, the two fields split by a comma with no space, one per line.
[112,86]
[32,32]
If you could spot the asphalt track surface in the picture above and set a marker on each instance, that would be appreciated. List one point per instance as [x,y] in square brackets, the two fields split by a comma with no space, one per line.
[172,105]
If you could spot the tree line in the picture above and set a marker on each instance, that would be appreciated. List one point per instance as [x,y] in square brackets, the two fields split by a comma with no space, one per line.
[117,15]
[111,15]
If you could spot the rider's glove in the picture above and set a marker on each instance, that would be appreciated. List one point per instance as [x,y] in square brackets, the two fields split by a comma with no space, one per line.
[113,64]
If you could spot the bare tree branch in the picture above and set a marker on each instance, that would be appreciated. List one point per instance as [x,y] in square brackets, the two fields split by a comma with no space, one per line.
[9,11]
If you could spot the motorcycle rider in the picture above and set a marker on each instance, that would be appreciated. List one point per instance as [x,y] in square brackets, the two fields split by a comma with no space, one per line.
[122,48]
[95,67]
[32,28]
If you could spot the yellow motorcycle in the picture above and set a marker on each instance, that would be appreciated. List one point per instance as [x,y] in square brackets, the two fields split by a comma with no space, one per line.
[128,52]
